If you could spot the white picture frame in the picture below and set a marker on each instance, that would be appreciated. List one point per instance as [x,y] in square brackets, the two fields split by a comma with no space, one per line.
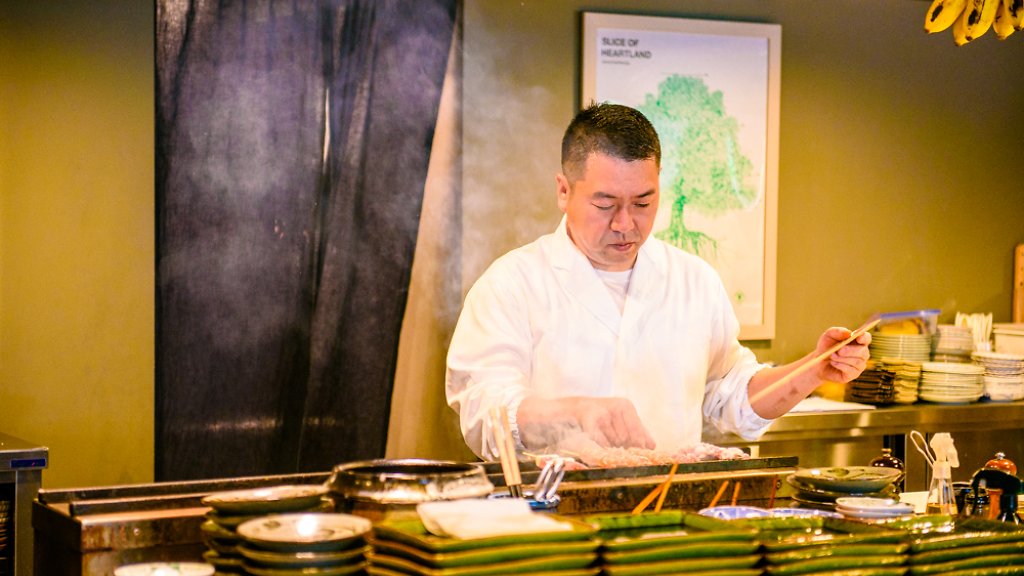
[712,89]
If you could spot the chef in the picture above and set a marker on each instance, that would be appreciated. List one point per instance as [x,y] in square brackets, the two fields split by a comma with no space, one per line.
[601,330]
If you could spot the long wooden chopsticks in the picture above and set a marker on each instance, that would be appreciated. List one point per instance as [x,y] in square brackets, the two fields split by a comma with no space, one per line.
[808,365]
[506,451]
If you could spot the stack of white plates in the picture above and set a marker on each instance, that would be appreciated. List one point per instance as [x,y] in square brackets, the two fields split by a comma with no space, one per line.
[1004,375]
[914,347]
[873,508]
[951,383]
[907,377]
[953,344]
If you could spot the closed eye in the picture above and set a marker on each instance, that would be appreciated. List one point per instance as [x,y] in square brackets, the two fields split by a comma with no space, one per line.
[599,207]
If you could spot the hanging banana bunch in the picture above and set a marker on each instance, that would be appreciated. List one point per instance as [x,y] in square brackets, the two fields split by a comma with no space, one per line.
[972,18]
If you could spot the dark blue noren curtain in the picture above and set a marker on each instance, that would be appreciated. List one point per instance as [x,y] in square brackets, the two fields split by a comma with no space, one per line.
[292,144]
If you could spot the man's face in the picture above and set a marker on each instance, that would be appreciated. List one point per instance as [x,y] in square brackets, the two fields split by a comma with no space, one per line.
[610,210]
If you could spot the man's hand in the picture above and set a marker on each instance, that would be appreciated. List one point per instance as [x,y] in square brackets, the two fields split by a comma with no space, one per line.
[611,422]
[846,363]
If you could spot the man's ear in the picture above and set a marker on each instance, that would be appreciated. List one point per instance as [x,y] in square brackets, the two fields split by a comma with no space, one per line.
[563,190]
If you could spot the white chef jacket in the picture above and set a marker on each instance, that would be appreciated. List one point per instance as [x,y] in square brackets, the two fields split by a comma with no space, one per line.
[540,322]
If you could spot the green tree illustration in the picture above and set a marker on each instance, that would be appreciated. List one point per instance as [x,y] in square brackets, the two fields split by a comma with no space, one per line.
[703,167]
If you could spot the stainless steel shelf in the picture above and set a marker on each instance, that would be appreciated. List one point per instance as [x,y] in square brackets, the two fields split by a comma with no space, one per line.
[21,469]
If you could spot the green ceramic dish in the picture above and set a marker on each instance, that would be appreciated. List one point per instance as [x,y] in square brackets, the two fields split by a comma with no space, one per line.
[782,534]
[710,565]
[938,532]
[382,571]
[413,533]
[950,554]
[995,560]
[481,556]
[859,479]
[528,566]
[811,552]
[682,551]
[327,571]
[623,532]
[833,563]
[299,559]
[883,571]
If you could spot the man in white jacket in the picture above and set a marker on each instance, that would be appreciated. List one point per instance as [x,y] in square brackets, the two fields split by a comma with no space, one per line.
[601,329]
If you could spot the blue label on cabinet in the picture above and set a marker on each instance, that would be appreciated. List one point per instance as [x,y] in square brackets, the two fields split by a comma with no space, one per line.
[29,463]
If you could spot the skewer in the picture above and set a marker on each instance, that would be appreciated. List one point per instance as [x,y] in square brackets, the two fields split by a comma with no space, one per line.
[499,440]
[719,494]
[736,493]
[808,365]
[665,487]
[771,498]
[647,500]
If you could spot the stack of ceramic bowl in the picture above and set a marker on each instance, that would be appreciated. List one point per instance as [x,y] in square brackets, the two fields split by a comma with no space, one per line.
[862,508]
[914,347]
[1004,375]
[873,386]
[230,509]
[907,377]
[5,523]
[406,547]
[822,487]
[952,344]
[312,544]
[951,383]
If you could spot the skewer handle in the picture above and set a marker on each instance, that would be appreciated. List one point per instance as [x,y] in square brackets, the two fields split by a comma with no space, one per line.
[810,364]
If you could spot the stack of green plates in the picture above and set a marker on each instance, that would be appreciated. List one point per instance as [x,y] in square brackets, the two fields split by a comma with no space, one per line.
[817,546]
[305,544]
[230,509]
[673,542]
[963,545]
[406,548]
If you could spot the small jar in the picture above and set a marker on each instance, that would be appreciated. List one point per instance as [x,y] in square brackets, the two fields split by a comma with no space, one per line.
[887,460]
[981,506]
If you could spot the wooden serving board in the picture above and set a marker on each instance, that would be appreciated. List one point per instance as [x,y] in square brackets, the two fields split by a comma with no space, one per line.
[1018,285]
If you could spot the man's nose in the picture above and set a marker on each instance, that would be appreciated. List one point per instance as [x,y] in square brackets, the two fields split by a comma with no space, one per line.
[622,221]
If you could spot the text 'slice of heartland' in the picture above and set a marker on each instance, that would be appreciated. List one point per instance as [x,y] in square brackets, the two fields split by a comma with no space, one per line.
[621,51]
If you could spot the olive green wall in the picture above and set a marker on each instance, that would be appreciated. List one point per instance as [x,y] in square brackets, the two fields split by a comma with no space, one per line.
[900,153]
[76,236]
[898,186]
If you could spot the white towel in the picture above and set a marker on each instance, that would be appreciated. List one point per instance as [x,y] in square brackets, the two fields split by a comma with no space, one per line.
[478,518]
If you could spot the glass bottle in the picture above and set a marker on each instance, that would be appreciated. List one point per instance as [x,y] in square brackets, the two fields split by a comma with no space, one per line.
[887,460]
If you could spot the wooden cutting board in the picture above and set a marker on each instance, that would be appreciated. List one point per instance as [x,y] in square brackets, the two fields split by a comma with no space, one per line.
[1018,285]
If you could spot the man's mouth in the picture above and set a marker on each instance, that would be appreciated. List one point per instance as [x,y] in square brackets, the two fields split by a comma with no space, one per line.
[623,247]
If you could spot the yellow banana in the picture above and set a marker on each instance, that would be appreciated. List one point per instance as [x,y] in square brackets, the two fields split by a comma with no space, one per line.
[1002,25]
[960,33]
[978,17]
[1016,10]
[942,14]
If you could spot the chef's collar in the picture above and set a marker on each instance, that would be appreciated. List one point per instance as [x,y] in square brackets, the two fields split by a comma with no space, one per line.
[565,252]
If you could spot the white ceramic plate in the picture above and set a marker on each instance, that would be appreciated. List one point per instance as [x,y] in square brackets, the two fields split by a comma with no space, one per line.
[873,504]
[312,531]
[165,569]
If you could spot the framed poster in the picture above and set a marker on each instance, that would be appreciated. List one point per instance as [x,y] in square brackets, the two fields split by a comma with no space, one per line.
[711,89]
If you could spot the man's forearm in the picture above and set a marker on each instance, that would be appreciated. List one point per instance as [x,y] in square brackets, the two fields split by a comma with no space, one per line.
[780,401]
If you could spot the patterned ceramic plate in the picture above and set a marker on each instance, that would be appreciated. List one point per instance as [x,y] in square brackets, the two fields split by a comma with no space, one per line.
[304,532]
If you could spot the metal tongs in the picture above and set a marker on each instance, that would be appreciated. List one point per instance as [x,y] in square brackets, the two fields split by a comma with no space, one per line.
[550,477]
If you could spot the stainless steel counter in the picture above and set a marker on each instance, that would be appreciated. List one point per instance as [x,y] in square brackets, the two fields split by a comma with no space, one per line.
[855,437]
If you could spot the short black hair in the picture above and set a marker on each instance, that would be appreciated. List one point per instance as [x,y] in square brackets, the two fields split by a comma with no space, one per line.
[610,129]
